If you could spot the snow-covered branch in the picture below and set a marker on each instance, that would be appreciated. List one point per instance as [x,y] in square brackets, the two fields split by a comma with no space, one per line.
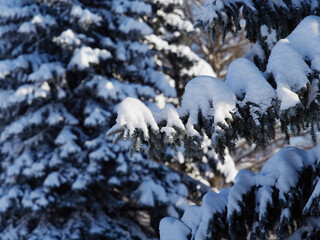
[280,199]
[246,105]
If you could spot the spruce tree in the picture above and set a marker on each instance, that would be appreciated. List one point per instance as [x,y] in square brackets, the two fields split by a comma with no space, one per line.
[64,67]
[277,81]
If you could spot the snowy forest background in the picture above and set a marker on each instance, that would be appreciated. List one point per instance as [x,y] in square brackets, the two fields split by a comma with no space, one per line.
[71,70]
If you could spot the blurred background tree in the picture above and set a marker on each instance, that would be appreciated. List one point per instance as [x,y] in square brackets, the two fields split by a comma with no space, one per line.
[64,67]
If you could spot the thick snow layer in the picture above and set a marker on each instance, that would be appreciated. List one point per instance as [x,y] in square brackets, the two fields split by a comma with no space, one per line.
[281,173]
[209,95]
[314,154]
[198,218]
[170,115]
[201,67]
[306,39]
[173,229]
[315,195]
[228,168]
[290,72]
[314,159]
[85,56]
[283,168]
[287,60]
[263,200]
[192,218]
[244,181]
[249,85]
[256,50]
[133,114]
